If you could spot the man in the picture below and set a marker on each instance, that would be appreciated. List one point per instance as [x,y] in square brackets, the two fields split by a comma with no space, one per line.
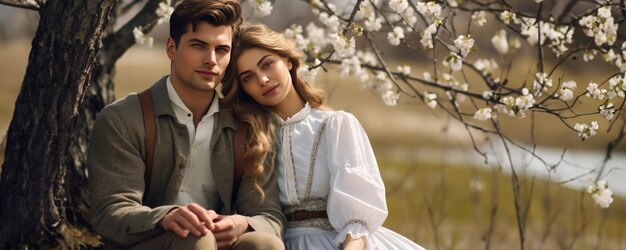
[187,201]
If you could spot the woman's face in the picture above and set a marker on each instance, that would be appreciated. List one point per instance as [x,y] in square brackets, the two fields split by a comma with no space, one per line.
[264,76]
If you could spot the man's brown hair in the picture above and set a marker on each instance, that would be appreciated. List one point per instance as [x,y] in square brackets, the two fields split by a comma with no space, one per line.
[215,12]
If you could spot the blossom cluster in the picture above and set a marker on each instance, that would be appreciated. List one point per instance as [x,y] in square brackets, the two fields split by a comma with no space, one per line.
[585,131]
[513,106]
[601,193]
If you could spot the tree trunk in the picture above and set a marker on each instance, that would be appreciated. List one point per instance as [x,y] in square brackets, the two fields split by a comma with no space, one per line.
[99,94]
[33,185]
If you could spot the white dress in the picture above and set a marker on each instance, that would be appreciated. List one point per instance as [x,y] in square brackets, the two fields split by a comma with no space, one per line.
[344,181]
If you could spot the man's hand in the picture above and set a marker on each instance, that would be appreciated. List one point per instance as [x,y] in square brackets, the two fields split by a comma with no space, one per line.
[191,218]
[228,229]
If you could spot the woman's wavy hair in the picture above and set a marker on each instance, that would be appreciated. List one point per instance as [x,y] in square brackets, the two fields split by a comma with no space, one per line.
[260,128]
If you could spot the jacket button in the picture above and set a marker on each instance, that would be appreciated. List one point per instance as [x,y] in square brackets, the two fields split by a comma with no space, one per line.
[127,229]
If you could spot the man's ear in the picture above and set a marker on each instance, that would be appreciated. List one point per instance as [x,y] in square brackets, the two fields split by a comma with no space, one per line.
[170,48]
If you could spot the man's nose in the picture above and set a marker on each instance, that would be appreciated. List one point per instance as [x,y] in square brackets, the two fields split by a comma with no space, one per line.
[210,58]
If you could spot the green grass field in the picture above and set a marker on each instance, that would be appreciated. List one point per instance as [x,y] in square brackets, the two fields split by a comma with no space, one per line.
[433,204]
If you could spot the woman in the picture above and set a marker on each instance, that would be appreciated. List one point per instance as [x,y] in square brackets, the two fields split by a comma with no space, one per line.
[330,186]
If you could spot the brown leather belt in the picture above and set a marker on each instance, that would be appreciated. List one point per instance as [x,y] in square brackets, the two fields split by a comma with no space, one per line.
[305,215]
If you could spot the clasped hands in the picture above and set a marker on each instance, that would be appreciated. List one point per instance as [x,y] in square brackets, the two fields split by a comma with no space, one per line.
[193,218]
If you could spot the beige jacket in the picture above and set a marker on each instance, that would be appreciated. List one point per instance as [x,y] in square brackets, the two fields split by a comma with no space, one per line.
[124,212]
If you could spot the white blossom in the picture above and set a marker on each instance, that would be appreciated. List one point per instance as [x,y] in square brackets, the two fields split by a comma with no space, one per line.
[601,27]
[390,98]
[541,83]
[427,36]
[558,36]
[507,16]
[431,9]
[538,1]
[309,75]
[487,94]
[261,7]
[427,76]
[430,99]
[164,12]
[395,36]
[294,32]
[367,57]
[586,131]
[452,3]
[351,66]
[616,86]
[566,92]
[607,110]
[500,42]
[589,54]
[464,44]
[483,114]
[404,70]
[373,24]
[453,61]
[479,17]
[332,22]
[317,38]
[526,101]
[398,5]
[595,92]
[381,81]
[601,193]
[485,64]
[343,46]
[141,38]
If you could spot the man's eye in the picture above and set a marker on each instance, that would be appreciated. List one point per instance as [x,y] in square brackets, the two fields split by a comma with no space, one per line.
[223,50]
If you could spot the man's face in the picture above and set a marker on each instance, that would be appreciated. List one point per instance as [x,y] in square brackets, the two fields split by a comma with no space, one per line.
[199,62]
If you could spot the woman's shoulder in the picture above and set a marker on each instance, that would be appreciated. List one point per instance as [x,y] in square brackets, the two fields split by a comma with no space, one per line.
[335,116]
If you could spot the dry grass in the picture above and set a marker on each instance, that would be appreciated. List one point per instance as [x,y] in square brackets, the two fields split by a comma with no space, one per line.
[459,214]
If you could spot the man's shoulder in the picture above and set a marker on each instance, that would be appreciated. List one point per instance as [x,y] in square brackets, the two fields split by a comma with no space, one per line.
[227,116]
[123,112]
[128,105]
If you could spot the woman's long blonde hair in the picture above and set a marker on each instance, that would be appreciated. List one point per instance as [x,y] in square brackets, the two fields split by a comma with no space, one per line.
[257,119]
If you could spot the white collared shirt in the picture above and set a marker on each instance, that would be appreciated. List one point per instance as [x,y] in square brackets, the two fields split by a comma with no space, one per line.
[198,184]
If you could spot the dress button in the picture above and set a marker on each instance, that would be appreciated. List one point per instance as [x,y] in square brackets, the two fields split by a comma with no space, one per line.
[181,165]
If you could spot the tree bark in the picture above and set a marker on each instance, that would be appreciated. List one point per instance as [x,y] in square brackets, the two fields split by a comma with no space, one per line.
[99,94]
[33,184]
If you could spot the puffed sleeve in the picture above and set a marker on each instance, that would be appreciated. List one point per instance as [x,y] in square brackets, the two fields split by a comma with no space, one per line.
[356,202]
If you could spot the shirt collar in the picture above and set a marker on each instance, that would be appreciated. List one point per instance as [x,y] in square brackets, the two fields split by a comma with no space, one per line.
[180,104]
[300,115]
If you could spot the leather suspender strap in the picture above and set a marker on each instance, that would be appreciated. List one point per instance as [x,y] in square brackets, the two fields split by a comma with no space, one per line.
[150,128]
[238,150]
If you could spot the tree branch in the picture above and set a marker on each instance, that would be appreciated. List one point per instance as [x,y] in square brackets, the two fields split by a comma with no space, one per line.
[117,43]
[23,4]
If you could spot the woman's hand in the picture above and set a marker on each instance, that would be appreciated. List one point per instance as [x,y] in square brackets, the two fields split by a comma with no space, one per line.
[354,244]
